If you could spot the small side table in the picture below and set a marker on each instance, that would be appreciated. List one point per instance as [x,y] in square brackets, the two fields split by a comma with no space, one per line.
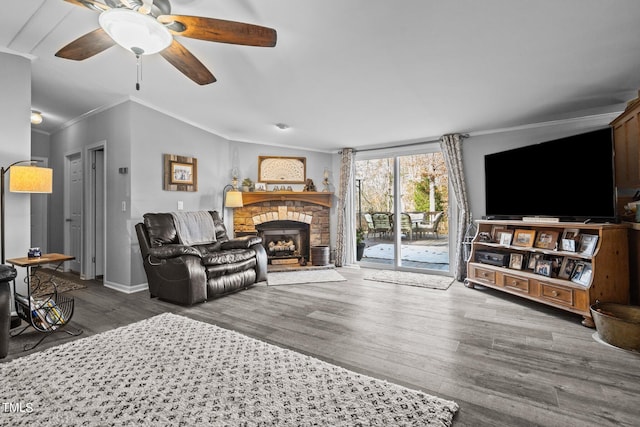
[48,311]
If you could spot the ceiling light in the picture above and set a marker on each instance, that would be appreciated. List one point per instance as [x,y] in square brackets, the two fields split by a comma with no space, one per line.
[36,117]
[136,32]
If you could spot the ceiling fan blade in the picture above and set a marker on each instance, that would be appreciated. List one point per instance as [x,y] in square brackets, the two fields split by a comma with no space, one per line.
[90,4]
[187,63]
[86,46]
[219,30]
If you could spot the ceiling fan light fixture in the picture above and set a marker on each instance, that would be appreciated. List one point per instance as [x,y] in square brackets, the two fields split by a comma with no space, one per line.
[139,33]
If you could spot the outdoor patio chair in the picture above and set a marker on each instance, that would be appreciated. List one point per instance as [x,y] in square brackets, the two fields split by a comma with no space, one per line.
[369,221]
[430,226]
[381,223]
[406,226]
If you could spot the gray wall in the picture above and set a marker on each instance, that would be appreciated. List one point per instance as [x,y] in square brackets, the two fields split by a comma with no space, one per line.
[111,127]
[475,148]
[39,144]
[15,145]
[136,137]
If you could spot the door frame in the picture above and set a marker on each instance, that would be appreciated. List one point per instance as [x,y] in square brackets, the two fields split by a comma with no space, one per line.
[396,154]
[89,211]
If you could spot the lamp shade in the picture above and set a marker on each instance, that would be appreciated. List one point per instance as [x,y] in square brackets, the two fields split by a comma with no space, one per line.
[233,199]
[30,179]
[142,34]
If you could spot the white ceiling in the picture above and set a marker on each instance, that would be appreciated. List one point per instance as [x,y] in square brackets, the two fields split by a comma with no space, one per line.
[352,73]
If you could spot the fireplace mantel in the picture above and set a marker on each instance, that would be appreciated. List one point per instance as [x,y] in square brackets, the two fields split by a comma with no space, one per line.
[322,198]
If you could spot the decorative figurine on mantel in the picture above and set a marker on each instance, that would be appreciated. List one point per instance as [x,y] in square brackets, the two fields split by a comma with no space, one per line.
[309,186]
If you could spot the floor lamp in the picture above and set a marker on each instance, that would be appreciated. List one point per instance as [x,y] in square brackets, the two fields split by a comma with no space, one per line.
[231,198]
[23,179]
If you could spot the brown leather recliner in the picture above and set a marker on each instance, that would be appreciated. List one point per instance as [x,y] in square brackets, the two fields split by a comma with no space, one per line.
[187,274]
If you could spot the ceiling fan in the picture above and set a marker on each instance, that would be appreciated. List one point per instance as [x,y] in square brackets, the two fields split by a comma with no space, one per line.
[145,27]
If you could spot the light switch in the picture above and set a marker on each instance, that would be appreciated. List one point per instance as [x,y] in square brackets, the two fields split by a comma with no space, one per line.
[180,205]
[124,206]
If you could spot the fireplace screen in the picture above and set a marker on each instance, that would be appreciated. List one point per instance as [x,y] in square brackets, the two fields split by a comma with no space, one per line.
[285,240]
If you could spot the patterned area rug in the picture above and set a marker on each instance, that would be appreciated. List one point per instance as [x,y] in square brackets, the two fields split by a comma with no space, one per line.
[306,276]
[411,279]
[171,370]
[42,284]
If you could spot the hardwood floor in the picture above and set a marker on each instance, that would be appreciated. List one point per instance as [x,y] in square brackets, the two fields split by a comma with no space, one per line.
[506,361]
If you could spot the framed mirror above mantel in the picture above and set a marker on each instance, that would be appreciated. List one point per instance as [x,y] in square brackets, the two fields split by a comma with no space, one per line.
[322,198]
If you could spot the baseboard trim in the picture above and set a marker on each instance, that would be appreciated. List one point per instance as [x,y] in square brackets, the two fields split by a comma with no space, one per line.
[126,289]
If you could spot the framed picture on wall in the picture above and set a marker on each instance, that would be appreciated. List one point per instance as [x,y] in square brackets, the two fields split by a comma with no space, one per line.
[180,173]
[282,170]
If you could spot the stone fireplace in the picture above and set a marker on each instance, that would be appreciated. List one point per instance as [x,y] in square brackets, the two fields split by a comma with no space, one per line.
[284,219]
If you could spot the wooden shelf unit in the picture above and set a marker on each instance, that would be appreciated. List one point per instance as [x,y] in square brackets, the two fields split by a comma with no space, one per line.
[610,267]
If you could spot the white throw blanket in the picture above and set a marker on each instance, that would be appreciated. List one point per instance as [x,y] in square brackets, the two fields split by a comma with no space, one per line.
[194,228]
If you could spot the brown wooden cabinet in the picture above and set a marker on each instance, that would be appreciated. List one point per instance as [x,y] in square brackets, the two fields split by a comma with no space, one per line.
[609,263]
[634,264]
[626,137]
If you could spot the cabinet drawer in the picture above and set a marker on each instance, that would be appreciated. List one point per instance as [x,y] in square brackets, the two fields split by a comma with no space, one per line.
[556,294]
[484,275]
[515,283]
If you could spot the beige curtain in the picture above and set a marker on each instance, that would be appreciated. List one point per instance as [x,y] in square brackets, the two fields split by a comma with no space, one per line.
[345,230]
[451,146]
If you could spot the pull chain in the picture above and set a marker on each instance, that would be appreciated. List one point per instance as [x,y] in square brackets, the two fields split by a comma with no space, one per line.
[138,71]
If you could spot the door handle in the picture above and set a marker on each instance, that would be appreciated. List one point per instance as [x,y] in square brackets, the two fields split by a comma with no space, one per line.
[68,219]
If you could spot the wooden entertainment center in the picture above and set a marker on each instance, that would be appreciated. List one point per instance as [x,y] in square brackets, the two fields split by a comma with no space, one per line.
[532,260]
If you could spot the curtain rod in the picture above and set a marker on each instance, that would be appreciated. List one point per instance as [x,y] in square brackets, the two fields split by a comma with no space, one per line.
[409,144]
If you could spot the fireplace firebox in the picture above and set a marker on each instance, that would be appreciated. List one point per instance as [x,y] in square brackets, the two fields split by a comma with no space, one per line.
[284,241]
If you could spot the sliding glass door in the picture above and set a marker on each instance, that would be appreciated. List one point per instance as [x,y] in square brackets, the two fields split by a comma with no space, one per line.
[402,208]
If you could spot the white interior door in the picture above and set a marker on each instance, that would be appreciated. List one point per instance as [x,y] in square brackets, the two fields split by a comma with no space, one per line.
[73,218]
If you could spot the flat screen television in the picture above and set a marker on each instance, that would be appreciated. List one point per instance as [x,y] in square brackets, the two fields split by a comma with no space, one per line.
[569,178]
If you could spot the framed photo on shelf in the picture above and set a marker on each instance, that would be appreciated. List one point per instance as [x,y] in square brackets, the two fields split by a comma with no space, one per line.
[524,238]
[260,186]
[505,238]
[567,267]
[533,259]
[556,263]
[516,261]
[588,244]
[496,230]
[569,238]
[547,239]
[568,245]
[582,273]
[544,267]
